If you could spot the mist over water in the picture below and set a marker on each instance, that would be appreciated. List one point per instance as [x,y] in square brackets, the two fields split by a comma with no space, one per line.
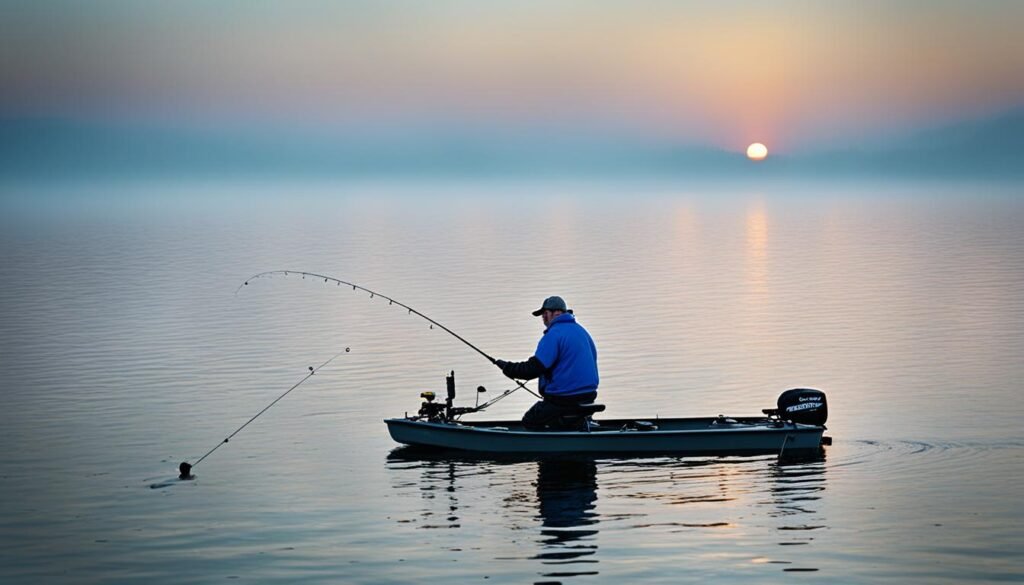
[127,350]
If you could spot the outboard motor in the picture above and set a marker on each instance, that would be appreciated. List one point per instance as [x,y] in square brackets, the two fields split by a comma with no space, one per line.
[803,405]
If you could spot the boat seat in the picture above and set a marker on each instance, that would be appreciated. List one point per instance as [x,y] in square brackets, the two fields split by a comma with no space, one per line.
[588,409]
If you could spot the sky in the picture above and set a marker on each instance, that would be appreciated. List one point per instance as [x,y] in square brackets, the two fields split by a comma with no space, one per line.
[796,75]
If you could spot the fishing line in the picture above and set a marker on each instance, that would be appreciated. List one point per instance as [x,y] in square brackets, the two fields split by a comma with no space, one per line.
[185,468]
[390,300]
[497,398]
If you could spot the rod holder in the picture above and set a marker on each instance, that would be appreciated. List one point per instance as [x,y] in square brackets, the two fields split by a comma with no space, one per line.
[450,383]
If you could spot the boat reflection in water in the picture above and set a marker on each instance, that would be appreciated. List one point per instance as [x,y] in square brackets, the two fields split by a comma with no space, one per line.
[566,496]
[553,498]
[796,491]
[506,516]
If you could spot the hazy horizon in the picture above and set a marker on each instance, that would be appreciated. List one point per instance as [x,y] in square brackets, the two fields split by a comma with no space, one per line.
[54,149]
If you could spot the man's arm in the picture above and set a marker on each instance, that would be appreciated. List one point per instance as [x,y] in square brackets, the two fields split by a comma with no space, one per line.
[528,370]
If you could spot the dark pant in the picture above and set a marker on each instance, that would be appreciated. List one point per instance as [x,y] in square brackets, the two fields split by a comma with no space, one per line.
[547,413]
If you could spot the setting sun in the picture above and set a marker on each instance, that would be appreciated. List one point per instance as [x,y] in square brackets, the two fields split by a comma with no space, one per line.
[757,151]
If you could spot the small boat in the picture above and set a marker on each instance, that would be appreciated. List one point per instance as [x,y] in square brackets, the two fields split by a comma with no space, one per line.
[795,427]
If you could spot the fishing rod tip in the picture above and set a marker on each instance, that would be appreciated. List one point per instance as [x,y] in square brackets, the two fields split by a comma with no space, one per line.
[185,470]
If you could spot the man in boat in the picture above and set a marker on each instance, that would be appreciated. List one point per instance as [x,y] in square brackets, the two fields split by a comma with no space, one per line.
[565,363]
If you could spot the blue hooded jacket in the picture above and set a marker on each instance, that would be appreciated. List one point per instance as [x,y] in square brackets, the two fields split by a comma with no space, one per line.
[570,357]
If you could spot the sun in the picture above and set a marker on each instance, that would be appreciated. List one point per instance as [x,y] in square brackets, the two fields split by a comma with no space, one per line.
[757,151]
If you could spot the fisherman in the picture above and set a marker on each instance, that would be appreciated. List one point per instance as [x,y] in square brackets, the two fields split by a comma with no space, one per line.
[565,362]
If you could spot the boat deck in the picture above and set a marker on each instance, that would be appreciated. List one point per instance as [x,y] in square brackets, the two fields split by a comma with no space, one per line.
[624,425]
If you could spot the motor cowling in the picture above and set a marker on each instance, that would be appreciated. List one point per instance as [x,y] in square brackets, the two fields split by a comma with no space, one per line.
[803,405]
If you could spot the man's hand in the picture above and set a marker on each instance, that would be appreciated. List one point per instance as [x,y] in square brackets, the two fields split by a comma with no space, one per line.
[502,364]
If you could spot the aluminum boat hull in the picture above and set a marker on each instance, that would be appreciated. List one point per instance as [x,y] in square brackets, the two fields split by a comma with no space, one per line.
[690,436]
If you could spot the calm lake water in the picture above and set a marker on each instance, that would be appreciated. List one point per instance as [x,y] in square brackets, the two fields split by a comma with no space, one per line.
[125,350]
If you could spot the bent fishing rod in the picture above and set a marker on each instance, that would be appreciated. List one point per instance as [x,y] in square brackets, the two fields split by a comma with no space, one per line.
[185,468]
[390,300]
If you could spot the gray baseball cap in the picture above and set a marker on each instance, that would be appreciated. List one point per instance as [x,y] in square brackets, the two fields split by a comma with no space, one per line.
[551,304]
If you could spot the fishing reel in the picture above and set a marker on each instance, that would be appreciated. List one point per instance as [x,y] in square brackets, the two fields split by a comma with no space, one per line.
[432,411]
[444,411]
